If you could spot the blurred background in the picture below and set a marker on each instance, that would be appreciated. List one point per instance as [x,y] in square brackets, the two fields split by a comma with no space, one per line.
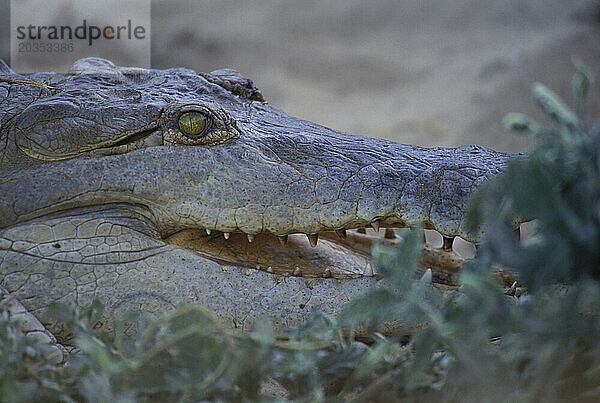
[412,71]
[431,72]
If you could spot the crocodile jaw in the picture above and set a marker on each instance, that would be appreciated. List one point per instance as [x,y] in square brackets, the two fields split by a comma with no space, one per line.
[314,179]
[256,169]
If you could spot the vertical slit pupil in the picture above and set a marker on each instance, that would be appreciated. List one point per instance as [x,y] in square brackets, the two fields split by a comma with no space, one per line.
[192,123]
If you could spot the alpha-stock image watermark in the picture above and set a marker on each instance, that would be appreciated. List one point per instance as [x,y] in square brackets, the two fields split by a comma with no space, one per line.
[51,35]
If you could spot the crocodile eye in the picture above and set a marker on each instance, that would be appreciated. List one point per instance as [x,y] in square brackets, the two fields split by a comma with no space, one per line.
[192,123]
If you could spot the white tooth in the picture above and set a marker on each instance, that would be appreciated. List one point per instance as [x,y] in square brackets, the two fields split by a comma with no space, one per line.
[375,225]
[368,272]
[513,289]
[207,231]
[250,237]
[226,235]
[427,276]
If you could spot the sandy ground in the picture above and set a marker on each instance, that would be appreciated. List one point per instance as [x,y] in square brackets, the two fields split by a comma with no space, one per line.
[421,72]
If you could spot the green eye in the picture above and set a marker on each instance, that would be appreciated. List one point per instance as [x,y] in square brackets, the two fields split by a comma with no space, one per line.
[192,123]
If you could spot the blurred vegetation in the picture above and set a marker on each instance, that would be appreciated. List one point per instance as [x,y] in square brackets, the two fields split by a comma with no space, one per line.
[479,343]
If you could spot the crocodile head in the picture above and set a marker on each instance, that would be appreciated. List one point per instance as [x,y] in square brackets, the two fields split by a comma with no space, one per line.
[106,172]
[205,151]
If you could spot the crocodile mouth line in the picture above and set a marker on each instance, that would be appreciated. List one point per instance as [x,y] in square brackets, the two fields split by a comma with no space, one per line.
[133,141]
[337,255]
[135,137]
[313,238]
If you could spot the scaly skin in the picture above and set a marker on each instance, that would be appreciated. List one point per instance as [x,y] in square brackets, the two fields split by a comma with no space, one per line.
[97,183]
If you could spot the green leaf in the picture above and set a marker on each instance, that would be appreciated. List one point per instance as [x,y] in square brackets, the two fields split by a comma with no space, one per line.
[554,106]
[582,80]
[521,123]
[373,308]
[399,264]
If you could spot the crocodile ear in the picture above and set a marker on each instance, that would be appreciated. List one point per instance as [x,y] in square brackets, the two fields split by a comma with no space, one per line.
[53,129]
[233,81]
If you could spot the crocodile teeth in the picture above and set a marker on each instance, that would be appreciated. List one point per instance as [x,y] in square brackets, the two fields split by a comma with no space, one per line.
[513,289]
[207,231]
[341,233]
[375,225]
[250,237]
[313,239]
[226,235]
[297,272]
[327,273]
[368,272]
[282,239]
[427,276]
[447,246]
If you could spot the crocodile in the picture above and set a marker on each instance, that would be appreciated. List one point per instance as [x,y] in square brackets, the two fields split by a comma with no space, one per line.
[147,188]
